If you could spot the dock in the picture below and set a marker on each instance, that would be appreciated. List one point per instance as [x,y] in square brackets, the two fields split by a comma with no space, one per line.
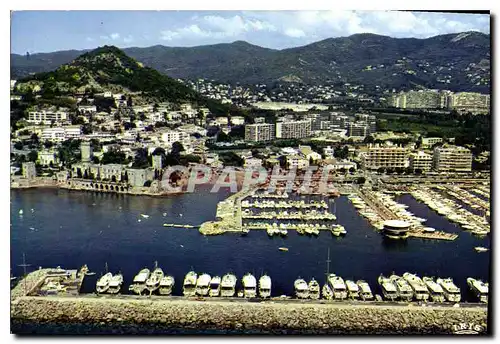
[432,235]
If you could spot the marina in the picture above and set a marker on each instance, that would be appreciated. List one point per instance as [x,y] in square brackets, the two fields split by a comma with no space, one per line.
[180,250]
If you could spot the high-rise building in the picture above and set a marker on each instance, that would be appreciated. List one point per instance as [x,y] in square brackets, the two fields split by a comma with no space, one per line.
[452,158]
[469,101]
[293,129]
[260,132]
[384,157]
[358,129]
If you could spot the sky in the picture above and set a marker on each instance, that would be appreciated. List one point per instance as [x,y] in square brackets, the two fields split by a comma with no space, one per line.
[46,31]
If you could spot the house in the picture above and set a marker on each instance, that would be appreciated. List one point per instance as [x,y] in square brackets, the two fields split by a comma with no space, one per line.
[309,154]
[252,162]
[297,161]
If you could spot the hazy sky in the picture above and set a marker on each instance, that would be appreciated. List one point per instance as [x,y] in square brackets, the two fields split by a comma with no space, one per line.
[45,31]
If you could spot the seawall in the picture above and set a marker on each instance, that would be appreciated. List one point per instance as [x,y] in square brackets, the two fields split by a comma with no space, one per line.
[126,315]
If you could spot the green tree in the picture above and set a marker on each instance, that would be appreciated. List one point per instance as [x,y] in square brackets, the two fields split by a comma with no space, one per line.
[33,156]
[361,180]
[34,139]
[177,148]
[18,145]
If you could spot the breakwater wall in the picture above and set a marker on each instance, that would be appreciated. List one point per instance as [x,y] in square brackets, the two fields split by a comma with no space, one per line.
[127,316]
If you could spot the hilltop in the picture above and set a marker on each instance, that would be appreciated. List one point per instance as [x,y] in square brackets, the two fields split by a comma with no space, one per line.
[454,61]
[108,68]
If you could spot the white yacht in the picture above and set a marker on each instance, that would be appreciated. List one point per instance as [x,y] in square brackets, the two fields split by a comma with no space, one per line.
[389,289]
[215,286]
[102,284]
[265,286]
[166,285]
[249,285]
[365,290]
[436,291]
[451,291]
[352,289]
[228,285]
[338,287]
[327,292]
[481,249]
[405,292]
[115,284]
[479,288]
[418,286]
[189,287]
[139,282]
[203,284]
[153,282]
[314,292]
[301,288]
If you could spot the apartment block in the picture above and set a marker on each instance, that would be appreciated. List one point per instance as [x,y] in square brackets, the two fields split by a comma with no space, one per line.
[361,129]
[430,141]
[470,102]
[384,157]
[260,132]
[421,161]
[46,117]
[452,158]
[293,129]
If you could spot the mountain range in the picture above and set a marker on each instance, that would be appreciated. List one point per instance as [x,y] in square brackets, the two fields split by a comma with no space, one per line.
[458,62]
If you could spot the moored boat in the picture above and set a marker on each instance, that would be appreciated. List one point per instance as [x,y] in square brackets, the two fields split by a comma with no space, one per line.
[389,289]
[265,286]
[139,281]
[189,287]
[115,284]
[327,292]
[338,287]
[419,288]
[365,291]
[405,292]
[228,285]
[314,292]
[352,289]
[102,284]
[153,282]
[249,285]
[301,288]
[166,285]
[436,291]
[451,291]
[203,284]
[215,286]
[479,288]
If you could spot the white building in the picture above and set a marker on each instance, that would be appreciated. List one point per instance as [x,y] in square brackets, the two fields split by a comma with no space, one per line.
[87,108]
[260,132]
[297,161]
[421,161]
[252,162]
[293,129]
[47,116]
[385,157]
[329,151]
[309,154]
[46,157]
[452,158]
[237,120]
[59,134]
[428,142]
[172,136]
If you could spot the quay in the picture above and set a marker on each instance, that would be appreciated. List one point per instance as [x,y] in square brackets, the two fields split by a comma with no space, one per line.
[433,235]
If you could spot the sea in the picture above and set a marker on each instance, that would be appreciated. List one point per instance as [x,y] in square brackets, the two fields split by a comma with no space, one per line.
[71,228]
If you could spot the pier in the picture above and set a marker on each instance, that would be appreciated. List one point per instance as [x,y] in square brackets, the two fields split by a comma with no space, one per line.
[432,235]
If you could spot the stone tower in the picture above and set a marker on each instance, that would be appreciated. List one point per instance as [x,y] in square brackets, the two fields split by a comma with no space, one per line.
[86,150]
[157,162]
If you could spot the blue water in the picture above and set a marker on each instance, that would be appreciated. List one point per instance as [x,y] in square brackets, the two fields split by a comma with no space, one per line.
[75,228]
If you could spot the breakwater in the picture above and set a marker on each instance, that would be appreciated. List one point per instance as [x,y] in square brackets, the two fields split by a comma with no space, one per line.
[127,316]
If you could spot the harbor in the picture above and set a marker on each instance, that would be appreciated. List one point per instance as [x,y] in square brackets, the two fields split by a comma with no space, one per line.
[116,233]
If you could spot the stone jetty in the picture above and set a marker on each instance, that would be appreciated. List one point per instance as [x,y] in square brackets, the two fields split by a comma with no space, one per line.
[129,314]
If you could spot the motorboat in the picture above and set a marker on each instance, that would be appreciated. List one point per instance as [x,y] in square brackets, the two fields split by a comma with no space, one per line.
[436,291]
[301,288]
[365,291]
[352,289]
[166,285]
[102,284]
[314,292]
[481,249]
[338,287]
[153,282]
[228,285]
[327,292]
[115,284]
[419,287]
[479,288]
[405,292]
[389,289]
[203,285]
[215,286]
[265,286]
[249,285]
[139,281]
[189,287]
[451,291]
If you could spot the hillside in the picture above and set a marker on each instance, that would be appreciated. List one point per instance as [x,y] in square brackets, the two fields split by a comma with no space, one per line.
[458,62]
[110,69]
